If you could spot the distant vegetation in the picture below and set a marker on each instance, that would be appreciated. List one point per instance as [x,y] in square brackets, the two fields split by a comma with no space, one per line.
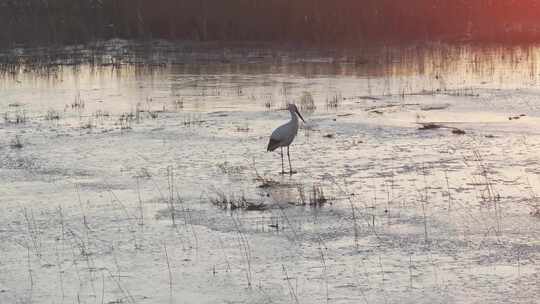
[318,22]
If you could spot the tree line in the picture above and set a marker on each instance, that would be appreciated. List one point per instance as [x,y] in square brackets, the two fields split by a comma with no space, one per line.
[318,22]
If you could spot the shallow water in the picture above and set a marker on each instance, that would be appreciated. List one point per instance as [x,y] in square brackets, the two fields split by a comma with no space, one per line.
[96,158]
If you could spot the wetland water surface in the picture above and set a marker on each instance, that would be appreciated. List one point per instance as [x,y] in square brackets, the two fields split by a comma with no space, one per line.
[146,180]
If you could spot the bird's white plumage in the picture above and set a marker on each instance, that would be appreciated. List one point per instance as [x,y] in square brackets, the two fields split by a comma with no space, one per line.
[286,133]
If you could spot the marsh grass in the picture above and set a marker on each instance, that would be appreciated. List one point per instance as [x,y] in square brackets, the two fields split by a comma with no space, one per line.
[170,275]
[101,115]
[192,120]
[144,111]
[173,199]
[34,232]
[78,103]
[234,202]
[153,114]
[307,103]
[245,249]
[89,124]
[16,143]
[293,292]
[15,117]
[315,196]
[265,181]
[322,250]
[268,100]
[52,115]
[125,120]
[178,105]
[488,194]
[334,101]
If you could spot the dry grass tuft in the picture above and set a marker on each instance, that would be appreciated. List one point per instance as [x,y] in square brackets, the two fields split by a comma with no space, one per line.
[334,101]
[307,103]
[16,117]
[52,115]
[78,103]
[314,198]
[232,202]
[16,143]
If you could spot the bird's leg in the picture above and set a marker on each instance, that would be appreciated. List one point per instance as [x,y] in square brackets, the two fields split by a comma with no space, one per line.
[282,167]
[289,156]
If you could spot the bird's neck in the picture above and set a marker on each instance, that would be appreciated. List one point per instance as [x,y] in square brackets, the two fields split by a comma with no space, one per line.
[293,116]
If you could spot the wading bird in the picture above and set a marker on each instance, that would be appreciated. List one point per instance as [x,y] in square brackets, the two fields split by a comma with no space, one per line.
[284,135]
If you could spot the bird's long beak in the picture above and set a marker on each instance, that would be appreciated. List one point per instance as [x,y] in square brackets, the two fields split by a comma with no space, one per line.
[300,115]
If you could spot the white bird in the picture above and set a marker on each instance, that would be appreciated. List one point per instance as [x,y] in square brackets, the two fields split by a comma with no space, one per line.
[284,135]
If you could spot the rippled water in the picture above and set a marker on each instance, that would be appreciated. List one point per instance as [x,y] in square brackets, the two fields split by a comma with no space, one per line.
[93,154]
[119,79]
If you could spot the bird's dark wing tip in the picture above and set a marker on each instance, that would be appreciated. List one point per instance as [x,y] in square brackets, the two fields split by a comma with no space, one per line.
[272,145]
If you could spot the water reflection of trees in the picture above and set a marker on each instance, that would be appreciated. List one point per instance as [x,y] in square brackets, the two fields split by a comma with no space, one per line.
[444,66]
